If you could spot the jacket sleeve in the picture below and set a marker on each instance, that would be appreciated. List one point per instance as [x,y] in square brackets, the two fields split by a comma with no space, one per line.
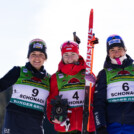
[99,101]
[53,92]
[10,78]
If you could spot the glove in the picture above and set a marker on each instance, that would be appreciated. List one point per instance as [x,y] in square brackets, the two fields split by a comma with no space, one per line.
[90,79]
[66,123]
[95,41]
[102,130]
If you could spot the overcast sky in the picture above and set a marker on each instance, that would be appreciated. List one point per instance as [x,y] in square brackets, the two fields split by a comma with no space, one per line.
[54,21]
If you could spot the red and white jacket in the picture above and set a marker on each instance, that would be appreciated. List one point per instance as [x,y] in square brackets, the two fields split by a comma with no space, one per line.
[76,116]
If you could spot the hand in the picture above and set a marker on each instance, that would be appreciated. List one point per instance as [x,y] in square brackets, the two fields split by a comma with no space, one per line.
[59,122]
[90,79]
[56,121]
[95,41]
[66,123]
[102,130]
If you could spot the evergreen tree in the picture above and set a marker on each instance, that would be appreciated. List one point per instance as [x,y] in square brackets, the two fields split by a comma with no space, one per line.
[4,99]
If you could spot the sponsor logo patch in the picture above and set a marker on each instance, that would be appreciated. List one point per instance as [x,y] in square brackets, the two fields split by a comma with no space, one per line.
[38,45]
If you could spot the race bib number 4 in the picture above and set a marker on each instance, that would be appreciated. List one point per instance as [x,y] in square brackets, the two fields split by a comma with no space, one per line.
[75,97]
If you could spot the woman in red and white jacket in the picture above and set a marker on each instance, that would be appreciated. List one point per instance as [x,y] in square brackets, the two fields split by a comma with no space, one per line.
[69,81]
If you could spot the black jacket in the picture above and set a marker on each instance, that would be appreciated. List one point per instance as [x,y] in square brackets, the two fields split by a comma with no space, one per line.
[10,79]
[104,112]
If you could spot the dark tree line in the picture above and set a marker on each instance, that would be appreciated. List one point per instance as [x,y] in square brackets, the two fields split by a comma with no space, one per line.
[4,99]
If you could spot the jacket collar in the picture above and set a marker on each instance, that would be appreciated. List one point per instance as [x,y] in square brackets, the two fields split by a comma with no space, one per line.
[72,69]
[126,62]
[39,74]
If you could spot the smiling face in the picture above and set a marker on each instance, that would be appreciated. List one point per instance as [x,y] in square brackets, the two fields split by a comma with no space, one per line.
[116,52]
[70,57]
[37,58]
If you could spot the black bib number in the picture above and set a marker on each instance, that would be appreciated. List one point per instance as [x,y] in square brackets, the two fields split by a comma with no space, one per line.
[76,96]
[125,86]
[35,92]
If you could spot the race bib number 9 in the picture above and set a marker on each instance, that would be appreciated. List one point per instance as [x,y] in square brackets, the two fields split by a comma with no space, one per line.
[29,96]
